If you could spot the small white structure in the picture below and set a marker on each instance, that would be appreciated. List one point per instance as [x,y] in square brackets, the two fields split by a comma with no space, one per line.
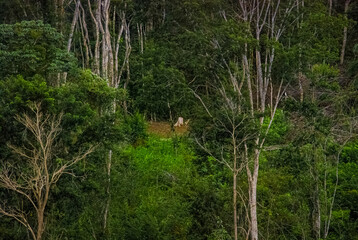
[180,122]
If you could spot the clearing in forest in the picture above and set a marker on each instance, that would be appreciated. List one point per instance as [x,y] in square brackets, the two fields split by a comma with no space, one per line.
[163,129]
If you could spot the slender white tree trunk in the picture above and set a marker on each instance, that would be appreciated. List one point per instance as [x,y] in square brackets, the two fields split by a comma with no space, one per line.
[253,197]
[235,205]
[96,64]
[108,190]
[73,24]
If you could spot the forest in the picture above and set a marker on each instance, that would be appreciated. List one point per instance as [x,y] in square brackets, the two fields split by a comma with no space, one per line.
[179,119]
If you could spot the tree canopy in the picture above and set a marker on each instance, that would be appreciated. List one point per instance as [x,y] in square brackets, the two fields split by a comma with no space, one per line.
[267,90]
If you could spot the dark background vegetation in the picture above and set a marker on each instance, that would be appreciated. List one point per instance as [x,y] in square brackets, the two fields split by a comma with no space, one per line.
[169,188]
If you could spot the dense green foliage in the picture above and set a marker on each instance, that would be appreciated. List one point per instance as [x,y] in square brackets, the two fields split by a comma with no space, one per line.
[180,59]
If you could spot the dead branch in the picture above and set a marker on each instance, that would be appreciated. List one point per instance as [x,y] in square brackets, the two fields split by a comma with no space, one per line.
[34,177]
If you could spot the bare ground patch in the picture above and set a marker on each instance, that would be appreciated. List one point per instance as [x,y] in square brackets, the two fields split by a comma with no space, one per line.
[163,129]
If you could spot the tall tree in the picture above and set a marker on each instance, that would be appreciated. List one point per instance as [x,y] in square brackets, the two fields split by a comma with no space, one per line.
[269,19]
[34,179]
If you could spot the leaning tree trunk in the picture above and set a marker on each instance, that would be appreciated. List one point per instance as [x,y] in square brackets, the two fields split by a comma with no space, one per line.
[70,37]
[73,24]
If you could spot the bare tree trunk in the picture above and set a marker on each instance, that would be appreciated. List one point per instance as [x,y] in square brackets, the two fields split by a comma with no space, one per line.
[108,192]
[86,40]
[345,31]
[260,84]
[40,224]
[235,204]
[313,158]
[117,73]
[102,13]
[86,59]
[96,62]
[126,61]
[300,77]
[234,185]
[343,45]
[248,78]
[73,24]
[40,171]
[127,54]
[106,62]
[140,37]
[316,214]
[260,104]
[108,44]
[252,180]
[329,209]
[103,58]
